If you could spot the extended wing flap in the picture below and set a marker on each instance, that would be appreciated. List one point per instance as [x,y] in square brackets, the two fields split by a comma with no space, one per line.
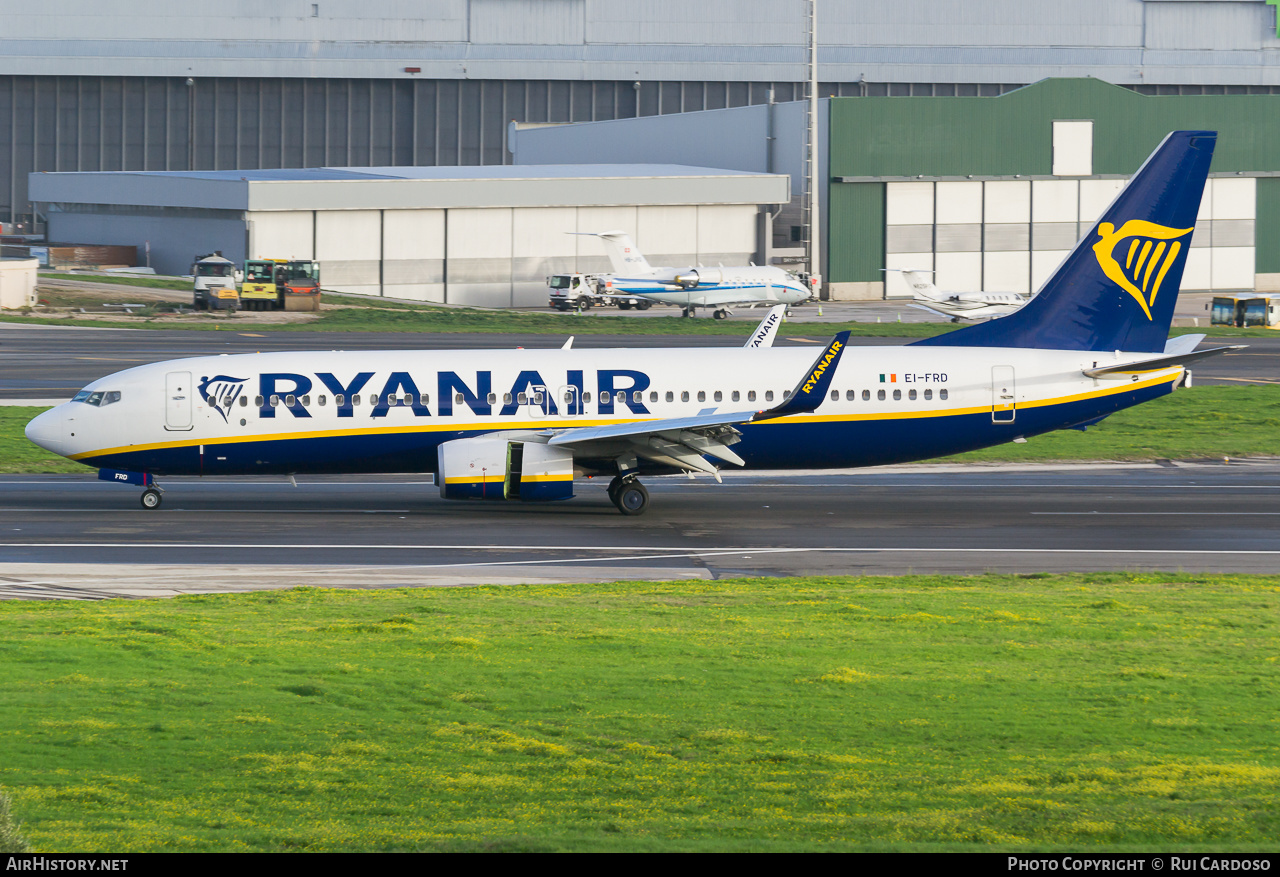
[1148,365]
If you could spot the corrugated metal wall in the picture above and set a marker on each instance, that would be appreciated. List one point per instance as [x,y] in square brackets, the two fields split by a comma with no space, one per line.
[135,123]
[1014,135]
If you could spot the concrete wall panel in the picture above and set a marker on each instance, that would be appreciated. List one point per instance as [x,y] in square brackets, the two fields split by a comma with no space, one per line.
[282,235]
[726,231]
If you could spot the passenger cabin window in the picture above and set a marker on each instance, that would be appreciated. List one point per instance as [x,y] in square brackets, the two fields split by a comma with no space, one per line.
[457,399]
[425,398]
[684,396]
[637,396]
[671,397]
[866,395]
[355,400]
[751,395]
[942,394]
[928,394]
[736,397]
[522,398]
[702,395]
[653,395]
[493,398]
[768,395]
[897,394]
[718,397]
[373,399]
[911,394]
[880,395]
[339,400]
[835,395]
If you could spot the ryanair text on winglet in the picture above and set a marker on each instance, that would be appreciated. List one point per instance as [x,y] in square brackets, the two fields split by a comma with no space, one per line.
[822,367]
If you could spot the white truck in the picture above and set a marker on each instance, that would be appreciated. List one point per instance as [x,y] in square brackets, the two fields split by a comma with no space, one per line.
[214,283]
[582,291]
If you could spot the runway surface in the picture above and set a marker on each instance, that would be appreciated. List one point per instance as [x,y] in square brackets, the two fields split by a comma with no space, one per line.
[77,537]
[53,362]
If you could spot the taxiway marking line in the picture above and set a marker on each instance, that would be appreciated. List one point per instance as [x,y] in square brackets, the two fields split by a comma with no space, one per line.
[681,551]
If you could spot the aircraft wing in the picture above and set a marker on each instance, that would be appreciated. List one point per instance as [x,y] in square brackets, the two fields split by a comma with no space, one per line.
[683,441]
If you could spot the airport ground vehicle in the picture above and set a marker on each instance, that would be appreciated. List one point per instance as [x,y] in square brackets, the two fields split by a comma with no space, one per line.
[269,282]
[1245,309]
[213,283]
[582,291]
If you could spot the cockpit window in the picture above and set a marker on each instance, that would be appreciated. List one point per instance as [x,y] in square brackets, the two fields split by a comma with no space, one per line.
[97,398]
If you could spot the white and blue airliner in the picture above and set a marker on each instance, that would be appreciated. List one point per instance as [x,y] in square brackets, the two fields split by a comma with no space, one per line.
[694,287]
[521,425]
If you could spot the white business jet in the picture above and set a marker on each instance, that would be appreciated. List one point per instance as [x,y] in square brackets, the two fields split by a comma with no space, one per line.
[521,425]
[694,287]
[959,305]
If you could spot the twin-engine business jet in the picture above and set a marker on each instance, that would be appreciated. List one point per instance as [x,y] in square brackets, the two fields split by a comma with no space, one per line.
[521,424]
[692,288]
[959,305]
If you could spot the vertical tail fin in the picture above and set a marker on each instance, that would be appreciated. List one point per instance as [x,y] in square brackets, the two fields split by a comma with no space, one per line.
[1117,288]
[623,254]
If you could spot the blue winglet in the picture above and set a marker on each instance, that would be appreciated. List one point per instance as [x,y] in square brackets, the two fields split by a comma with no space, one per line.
[812,388]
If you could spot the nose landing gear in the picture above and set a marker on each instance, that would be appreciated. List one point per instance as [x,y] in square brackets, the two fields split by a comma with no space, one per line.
[151,498]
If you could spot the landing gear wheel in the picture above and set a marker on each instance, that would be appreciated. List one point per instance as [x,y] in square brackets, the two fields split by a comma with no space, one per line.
[151,498]
[720,314]
[630,497]
[689,312]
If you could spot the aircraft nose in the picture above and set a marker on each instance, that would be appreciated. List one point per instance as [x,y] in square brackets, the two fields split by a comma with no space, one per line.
[46,430]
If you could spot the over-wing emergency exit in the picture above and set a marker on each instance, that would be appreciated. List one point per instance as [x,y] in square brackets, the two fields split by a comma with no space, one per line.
[521,425]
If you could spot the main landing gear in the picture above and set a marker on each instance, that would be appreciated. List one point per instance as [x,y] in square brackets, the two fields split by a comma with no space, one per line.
[629,495]
[720,314]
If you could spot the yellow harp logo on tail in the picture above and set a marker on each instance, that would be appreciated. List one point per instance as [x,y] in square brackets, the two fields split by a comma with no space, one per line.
[1139,266]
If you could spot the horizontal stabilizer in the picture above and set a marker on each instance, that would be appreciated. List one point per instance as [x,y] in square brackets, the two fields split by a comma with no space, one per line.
[1150,365]
[1182,344]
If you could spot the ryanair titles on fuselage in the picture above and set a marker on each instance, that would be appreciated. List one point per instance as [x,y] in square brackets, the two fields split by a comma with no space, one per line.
[615,390]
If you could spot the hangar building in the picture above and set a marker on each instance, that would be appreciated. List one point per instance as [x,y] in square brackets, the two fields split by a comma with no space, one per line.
[485,236]
[145,85]
[989,192]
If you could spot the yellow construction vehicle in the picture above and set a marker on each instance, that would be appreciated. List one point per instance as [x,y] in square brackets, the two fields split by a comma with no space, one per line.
[273,284]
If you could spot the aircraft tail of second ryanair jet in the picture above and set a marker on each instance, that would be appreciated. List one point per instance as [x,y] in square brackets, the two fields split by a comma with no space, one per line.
[1117,288]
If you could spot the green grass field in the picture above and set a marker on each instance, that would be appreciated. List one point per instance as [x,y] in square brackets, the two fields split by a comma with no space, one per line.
[1043,712]
[1196,423]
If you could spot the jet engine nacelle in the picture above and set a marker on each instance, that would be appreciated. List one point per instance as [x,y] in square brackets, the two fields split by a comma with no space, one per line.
[493,467]
[691,278]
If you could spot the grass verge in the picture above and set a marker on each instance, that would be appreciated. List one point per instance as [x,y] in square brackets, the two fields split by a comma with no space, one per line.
[1195,423]
[1045,712]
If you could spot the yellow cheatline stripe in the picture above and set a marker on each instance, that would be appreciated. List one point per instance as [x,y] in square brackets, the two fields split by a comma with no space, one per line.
[1175,372]
[564,476]
[482,479]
